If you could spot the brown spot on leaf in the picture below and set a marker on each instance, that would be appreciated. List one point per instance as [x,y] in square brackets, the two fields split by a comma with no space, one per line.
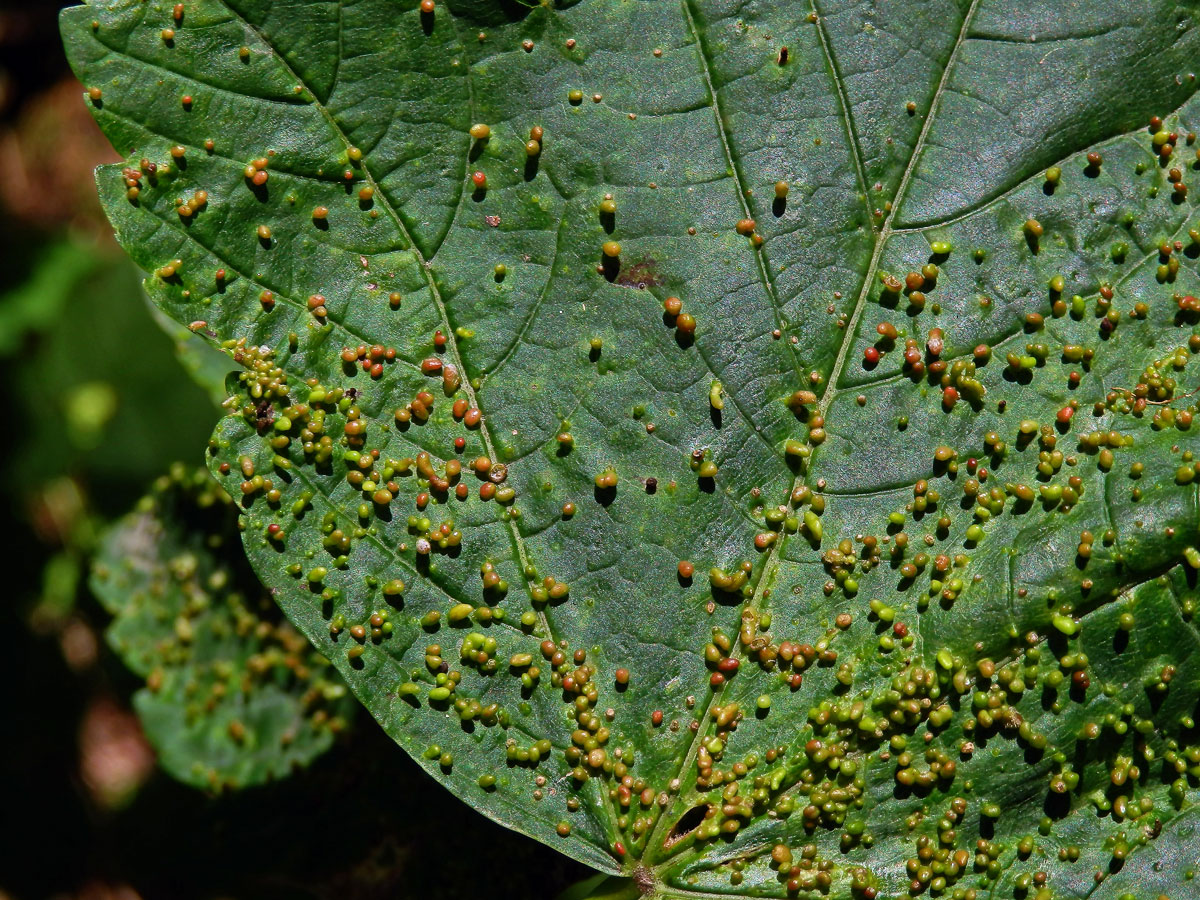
[641,274]
[264,415]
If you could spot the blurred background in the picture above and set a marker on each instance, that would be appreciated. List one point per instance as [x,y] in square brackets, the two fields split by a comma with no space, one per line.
[102,398]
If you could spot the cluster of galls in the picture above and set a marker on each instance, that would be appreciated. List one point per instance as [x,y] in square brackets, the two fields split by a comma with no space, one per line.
[262,380]
[573,676]
[792,659]
[842,561]
[800,402]
[700,461]
[429,537]
[371,359]
[749,228]
[152,171]
[735,807]
[914,287]
[377,627]
[186,208]
[433,366]
[418,409]
[521,665]
[476,650]
[939,864]
[719,656]
[636,803]
[812,873]
[493,583]
[789,658]
[725,719]
[1186,472]
[516,755]
[941,769]
[549,589]
[845,724]
[831,785]
[1158,388]
[684,323]
[731,582]
[956,378]
[587,753]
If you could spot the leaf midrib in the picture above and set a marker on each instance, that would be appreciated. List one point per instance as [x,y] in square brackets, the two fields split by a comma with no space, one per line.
[835,373]
[846,117]
[760,255]
[515,538]
[430,281]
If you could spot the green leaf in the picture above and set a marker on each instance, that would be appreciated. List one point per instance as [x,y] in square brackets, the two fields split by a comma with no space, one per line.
[951,583]
[233,696]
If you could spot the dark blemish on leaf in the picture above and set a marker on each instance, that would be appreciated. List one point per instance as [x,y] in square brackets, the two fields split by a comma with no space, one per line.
[264,415]
[640,275]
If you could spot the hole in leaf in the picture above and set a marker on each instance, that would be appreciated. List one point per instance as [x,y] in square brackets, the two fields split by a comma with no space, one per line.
[687,823]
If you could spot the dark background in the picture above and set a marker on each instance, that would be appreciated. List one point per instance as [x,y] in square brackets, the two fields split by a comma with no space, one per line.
[97,404]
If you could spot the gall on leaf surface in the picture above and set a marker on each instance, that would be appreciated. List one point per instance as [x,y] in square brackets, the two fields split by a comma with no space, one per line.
[777,465]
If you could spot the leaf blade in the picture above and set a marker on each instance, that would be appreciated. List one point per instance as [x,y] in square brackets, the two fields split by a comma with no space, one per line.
[231,698]
[707,115]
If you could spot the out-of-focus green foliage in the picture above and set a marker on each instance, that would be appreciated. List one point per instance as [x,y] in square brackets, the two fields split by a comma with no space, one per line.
[101,393]
[234,695]
[36,304]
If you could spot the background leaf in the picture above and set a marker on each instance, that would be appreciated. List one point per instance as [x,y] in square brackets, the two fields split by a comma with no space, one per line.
[234,697]
[950,519]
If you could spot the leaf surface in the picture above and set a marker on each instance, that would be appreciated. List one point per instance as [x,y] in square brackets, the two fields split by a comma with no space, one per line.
[928,454]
